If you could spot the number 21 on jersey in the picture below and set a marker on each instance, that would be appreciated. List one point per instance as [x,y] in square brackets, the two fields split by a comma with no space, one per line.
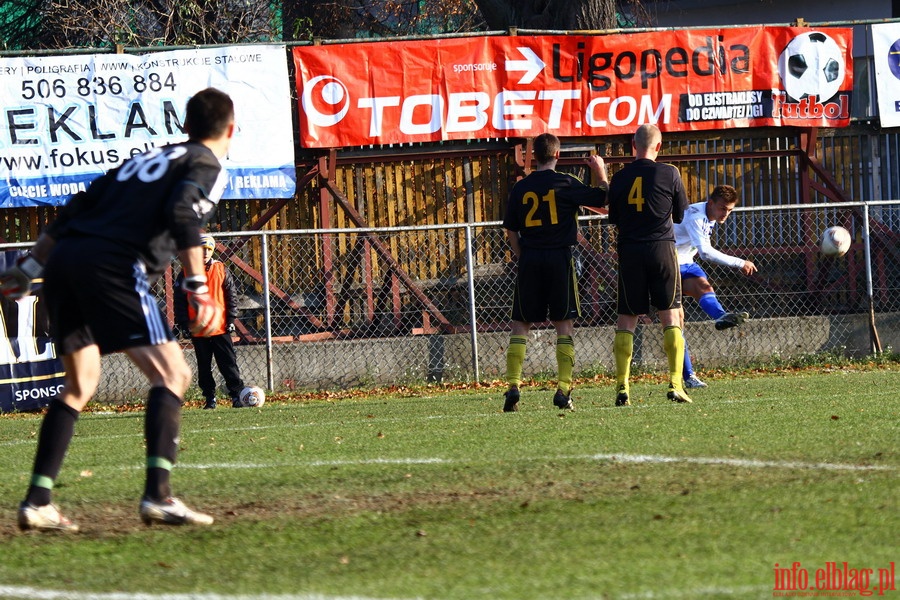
[533,201]
[636,194]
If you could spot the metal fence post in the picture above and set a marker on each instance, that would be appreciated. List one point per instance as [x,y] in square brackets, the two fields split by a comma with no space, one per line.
[470,276]
[874,340]
[267,312]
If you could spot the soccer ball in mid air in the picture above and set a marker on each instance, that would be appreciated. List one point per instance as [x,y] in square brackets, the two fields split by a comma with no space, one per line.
[835,241]
[252,397]
[812,64]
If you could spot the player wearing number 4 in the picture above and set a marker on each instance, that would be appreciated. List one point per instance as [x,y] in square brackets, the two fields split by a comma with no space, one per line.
[541,227]
[99,260]
[645,199]
[692,237]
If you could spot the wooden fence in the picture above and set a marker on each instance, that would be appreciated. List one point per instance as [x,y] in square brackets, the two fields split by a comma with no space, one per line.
[468,183]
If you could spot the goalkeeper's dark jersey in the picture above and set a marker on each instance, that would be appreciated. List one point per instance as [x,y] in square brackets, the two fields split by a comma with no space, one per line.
[645,198]
[153,204]
[543,208]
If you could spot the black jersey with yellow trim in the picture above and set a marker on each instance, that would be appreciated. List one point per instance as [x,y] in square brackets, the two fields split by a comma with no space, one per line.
[645,198]
[543,208]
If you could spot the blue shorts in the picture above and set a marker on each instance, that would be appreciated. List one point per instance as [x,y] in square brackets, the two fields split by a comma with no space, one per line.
[692,270]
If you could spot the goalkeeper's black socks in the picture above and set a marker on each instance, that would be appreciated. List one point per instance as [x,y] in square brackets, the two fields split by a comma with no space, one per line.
[161,426]
[56,434]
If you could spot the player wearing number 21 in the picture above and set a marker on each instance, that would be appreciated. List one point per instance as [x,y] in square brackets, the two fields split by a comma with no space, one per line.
[645,199]
[541,226]
[100,259]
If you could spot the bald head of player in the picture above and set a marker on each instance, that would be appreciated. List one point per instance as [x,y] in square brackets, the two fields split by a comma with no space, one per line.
[647,141]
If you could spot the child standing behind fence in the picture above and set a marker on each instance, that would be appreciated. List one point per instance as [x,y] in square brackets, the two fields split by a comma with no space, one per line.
[218,342]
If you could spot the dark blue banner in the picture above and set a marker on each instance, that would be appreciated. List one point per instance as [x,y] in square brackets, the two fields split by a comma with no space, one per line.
[31,373]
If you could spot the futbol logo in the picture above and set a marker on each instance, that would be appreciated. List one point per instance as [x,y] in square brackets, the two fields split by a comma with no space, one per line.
[812,64]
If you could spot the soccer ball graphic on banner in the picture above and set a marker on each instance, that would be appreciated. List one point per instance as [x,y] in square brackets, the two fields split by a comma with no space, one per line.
[252,397]
[812,65]
[835,241]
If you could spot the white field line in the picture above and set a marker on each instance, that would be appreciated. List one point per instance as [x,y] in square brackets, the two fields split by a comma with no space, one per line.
[623,458]
[616,458]
[30,593]
[609,457]
[719,592]
[737,462]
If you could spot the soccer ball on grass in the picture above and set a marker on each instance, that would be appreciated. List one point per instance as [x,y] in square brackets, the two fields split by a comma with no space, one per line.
[835,241]
[252,397]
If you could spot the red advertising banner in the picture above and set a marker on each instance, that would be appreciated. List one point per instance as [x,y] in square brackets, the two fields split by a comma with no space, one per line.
[521,86]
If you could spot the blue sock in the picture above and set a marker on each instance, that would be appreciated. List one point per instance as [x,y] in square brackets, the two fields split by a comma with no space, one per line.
[688,367]
[710,305]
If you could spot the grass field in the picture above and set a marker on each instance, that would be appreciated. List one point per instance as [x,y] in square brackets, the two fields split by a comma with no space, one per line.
[438,494]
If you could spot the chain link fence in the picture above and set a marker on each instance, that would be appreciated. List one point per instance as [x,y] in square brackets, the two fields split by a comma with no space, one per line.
[326,309]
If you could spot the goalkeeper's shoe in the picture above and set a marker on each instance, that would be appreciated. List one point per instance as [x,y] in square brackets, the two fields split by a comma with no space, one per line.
[678,396]
[622,397]
[562,401]
[511,403]
[694,382]
[729,320]
[171,511]
[44,518]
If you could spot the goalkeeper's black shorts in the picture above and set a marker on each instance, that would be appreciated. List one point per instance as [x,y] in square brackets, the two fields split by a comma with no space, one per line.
[99,292]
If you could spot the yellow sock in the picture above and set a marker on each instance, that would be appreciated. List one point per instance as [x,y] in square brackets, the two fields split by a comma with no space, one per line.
[515,358]
[623,349]
[673,341]
[565,362]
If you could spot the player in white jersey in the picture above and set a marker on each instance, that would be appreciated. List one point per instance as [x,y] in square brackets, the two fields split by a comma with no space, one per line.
[692,238]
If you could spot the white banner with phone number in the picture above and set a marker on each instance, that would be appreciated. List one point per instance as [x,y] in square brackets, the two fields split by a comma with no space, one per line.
[68,119]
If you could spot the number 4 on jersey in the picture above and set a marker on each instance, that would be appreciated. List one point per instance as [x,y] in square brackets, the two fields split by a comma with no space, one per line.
[636,195]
